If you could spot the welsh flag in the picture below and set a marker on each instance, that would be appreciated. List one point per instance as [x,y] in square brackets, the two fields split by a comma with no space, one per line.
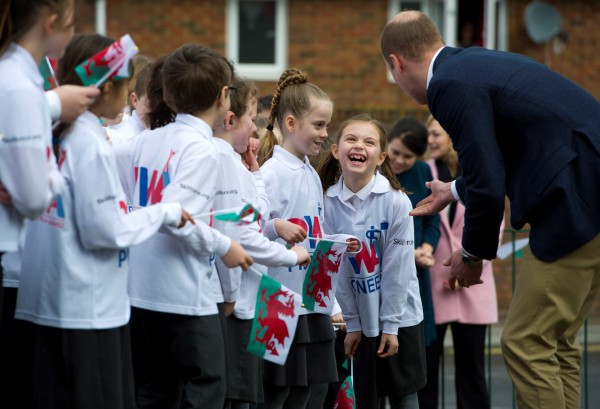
[248,214]
[321,277]
[275,321]
[47,67]
[345,398]
[110,63]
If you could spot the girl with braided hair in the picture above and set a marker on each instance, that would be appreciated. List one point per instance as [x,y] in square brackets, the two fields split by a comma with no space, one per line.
[293,208]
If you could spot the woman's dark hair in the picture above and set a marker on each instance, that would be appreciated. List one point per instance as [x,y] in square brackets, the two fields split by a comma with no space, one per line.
[412,133]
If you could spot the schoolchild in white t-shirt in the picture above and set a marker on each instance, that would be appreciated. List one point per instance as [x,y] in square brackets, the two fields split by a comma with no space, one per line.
[378,289]
[236,189]
[170,274]
[294,213]
[73,284]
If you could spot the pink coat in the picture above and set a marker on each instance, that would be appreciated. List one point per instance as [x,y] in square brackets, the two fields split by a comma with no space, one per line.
[473,305]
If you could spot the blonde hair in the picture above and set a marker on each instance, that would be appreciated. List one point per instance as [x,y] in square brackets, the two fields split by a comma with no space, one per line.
[329,169]
[292,96]
[410,34]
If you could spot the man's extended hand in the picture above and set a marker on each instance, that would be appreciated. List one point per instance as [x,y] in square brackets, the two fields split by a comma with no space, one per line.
[440,197]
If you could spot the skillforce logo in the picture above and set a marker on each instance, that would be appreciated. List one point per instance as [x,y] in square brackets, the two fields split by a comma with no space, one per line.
[312,226]
[150,191]
[366,264]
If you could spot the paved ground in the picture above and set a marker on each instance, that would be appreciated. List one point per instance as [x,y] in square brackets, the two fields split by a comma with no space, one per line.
[501,388]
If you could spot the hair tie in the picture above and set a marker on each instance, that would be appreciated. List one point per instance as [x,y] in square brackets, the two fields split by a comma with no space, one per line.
[270,127]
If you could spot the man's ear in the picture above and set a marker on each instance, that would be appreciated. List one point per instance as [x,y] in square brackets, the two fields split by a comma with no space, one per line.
[397,62]
[290,122]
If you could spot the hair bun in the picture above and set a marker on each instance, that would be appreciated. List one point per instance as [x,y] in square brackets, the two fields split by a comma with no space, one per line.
[299,76]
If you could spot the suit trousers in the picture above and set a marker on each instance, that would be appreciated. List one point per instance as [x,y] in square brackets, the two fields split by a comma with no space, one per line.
[539,341]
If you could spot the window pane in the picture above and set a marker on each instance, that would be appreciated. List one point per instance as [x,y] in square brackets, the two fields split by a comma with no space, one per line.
[257,32]
[410,5]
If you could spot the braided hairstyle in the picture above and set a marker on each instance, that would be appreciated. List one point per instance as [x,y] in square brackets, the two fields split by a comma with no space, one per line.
[292,97]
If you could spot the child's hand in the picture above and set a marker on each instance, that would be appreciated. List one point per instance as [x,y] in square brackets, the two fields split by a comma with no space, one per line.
[251,162]
[424,256]
[228,308]
[303,256]
[351,343]
[5,198]
[388,346]
[185,217]
[237,257]
[353,247]
[290,232]
[338,318]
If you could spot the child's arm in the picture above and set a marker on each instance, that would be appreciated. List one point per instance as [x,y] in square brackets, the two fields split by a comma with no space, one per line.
[101,212]
[398,263]
[27,163]
[270,253]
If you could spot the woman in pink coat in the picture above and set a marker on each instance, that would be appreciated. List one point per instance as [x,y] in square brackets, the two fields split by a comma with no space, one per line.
[468,311]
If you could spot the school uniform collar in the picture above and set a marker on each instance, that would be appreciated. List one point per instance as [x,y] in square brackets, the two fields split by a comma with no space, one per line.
[137,122]
[362,193]
[288,159]
[226,147]
[92,122]
[196,123]
[379,185]
[430,71]
[25,59]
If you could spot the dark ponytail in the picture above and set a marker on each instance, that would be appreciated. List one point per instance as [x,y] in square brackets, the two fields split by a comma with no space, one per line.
[159,114]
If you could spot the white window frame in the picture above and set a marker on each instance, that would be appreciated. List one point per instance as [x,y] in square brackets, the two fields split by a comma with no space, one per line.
[261,72]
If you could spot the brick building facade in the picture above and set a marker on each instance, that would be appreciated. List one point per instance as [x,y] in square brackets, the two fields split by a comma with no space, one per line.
[337,43]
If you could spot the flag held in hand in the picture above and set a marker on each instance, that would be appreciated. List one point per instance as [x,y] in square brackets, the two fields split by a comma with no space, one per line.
[275,321]
[110,63]
[47,67]
[248,214]
[321,277]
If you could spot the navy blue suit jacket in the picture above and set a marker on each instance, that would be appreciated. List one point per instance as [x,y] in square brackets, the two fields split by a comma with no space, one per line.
[520,130]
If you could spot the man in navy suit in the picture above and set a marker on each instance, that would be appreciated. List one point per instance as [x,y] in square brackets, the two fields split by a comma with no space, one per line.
[523,131]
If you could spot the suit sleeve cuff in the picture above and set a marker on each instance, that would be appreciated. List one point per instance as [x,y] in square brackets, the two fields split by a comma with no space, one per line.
[455,192]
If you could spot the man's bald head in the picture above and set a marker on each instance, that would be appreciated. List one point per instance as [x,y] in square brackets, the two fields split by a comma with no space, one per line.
[410,34]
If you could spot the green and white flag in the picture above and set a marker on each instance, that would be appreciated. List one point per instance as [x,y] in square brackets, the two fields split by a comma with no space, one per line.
[275,321]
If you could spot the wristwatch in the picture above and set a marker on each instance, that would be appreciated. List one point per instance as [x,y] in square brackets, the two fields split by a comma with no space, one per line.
[469,259]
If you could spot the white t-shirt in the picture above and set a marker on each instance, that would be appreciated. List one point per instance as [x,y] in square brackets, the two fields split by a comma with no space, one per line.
[171,271]
[378,288]
[74,269]
[27,163]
